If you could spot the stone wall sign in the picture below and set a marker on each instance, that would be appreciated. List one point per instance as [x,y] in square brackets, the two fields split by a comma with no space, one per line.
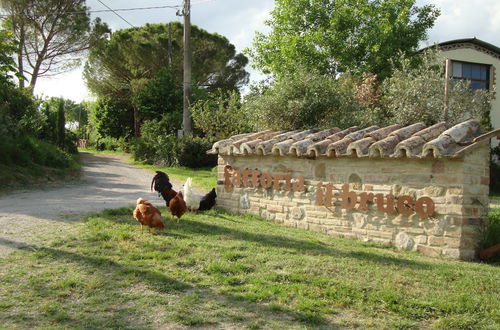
[415,187]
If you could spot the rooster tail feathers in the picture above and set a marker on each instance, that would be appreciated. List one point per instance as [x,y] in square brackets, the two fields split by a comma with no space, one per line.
[160,181]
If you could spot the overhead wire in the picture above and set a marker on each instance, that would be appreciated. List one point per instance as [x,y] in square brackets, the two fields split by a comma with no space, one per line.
[106,10]
[114,10]
[123,19]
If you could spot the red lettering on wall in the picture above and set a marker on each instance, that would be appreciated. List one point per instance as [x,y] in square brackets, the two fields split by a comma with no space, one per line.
[428,210]
[405,205]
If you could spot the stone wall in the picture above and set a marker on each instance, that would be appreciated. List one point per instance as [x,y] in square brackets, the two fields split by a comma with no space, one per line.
[457,186]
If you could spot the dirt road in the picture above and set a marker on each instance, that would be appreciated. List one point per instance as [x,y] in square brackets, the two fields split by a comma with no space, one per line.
[34,216]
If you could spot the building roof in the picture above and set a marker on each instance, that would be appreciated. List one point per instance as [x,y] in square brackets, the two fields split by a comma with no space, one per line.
[462,43]
[394,141]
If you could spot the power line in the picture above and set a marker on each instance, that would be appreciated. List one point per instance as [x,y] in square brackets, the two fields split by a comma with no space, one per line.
[200,2]
[102,3]
[103,10]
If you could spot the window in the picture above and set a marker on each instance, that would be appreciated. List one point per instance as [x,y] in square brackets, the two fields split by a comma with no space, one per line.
[477,74]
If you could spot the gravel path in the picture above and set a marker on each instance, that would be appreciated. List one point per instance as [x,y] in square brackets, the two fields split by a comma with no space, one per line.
[34,216]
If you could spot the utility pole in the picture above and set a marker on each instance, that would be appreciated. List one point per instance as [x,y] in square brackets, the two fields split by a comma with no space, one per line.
[447,73]
[186,113]
[169,55]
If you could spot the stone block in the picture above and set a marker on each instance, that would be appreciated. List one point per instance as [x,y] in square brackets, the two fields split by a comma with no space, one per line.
[275,208]
[455,191]
[429,251]
[446,179]
[380,234]
[318,228]
[421,239]
[302,225]
[434,191]
[451,253]
[436,241]
[404,241]
[467,254]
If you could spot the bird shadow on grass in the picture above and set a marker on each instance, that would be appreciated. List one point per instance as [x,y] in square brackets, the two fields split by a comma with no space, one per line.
[116,312]
[220,216]
[191,226]
[300,246]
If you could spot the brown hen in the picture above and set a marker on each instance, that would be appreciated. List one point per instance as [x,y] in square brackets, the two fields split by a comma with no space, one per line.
[177,206]
[147,214]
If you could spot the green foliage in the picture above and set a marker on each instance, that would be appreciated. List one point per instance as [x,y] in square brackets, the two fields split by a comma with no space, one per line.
[305,99]
[48,39]
[26,151]
[61,122]
[340,36]
[122,66]
[159,146]
[118,65]
[416,94]
[110,117]
[191,151]
[110,143]
[7,47]
[18,114]
[491,235]
[160,95]
[51,124]
[17,106]
[220,116]
[157,142]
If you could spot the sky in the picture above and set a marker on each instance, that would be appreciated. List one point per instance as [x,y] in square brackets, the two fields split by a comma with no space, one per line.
[238,20]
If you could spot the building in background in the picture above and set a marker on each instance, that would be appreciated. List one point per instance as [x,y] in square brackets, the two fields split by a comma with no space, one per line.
[477,61]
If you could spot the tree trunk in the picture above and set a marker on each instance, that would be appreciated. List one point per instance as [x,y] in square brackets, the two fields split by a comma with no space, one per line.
[20,64]
[137,126]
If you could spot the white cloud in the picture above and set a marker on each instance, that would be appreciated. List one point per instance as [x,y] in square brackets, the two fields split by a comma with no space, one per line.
[466,19]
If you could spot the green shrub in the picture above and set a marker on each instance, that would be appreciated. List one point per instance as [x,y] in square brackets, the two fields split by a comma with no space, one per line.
[221,115]
[415,94]
[25,151]
[111,143]
[142,151]
[192,152]
[492,229]
[157,143]
[304,99]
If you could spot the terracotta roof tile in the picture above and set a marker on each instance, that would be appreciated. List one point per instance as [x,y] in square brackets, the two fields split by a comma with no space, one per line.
[415,140]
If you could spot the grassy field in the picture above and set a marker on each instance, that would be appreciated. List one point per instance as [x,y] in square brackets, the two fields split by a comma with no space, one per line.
[219,270]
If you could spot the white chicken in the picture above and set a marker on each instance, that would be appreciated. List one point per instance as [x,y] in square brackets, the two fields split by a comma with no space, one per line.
[192,199]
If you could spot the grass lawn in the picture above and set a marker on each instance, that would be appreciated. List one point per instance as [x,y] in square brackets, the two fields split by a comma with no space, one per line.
[220,270]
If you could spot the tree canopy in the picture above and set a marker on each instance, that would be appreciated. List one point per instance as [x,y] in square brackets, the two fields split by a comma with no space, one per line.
[122,64]
[335,36]
[51,35]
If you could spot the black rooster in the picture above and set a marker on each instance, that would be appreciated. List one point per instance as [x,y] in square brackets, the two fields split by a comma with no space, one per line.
[162,185]
[208,201]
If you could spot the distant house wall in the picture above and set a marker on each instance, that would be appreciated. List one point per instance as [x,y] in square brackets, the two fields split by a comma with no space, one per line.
[469,52]
[457,186]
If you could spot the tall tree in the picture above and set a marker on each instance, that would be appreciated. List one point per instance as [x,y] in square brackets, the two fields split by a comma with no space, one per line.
[18,109]
[51,35]
[121,66]
[61,123]
[335,36]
